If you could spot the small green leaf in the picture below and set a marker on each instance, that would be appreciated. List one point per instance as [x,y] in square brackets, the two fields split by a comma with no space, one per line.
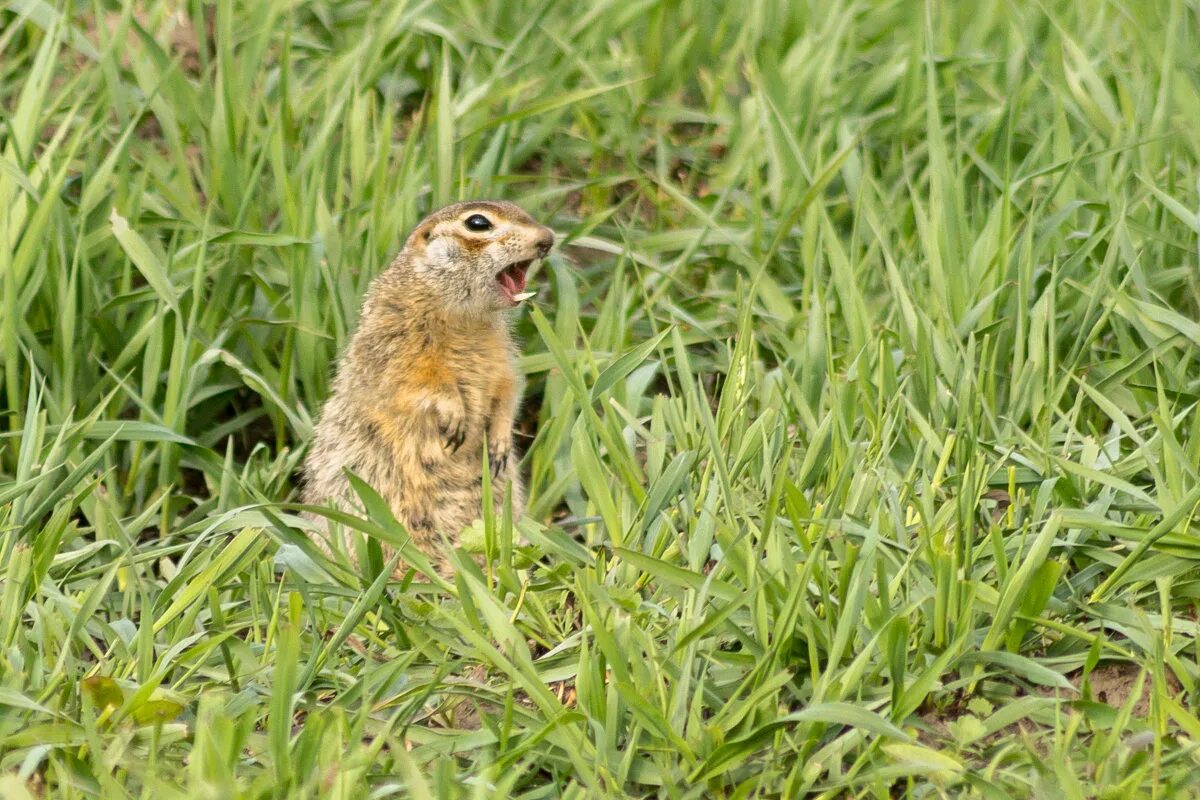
[103,691]
[624,365]
[153,270]
[157,712]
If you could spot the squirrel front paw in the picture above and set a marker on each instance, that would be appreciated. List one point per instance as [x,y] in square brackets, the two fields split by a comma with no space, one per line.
[499,452]
[498,460]
[451,424]
[454,433]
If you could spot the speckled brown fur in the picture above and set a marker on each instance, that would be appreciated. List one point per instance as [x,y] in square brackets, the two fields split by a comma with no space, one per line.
[431,371]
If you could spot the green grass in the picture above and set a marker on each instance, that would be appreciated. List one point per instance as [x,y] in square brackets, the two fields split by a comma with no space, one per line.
[863,442]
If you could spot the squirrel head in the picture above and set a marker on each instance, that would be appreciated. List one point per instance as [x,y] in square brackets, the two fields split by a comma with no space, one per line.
[474,255]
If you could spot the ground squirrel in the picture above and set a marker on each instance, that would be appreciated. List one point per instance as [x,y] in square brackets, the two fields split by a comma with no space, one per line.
[429,373]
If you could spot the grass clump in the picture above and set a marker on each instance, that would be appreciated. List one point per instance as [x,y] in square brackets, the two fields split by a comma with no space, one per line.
[862,438]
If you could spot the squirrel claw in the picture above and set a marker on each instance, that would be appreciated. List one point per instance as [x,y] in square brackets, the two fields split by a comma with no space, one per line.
[453,435]
[497,460]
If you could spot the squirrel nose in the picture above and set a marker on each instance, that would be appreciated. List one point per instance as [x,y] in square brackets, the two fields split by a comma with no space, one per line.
[544,242]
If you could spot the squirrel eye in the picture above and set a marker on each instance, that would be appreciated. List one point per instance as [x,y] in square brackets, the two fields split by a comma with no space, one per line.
[478,222]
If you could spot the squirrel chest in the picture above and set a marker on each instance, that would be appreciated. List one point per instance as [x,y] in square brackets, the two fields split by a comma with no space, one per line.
[477,371]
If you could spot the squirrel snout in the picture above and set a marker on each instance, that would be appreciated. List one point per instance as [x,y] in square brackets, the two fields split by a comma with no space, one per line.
[544,242]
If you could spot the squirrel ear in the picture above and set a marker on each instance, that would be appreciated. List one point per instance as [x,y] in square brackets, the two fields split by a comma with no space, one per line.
[422,235]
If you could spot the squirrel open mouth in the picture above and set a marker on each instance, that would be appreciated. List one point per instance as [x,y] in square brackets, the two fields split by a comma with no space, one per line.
[511,280]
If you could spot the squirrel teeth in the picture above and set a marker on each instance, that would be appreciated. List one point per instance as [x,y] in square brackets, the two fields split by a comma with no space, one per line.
[523,296]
